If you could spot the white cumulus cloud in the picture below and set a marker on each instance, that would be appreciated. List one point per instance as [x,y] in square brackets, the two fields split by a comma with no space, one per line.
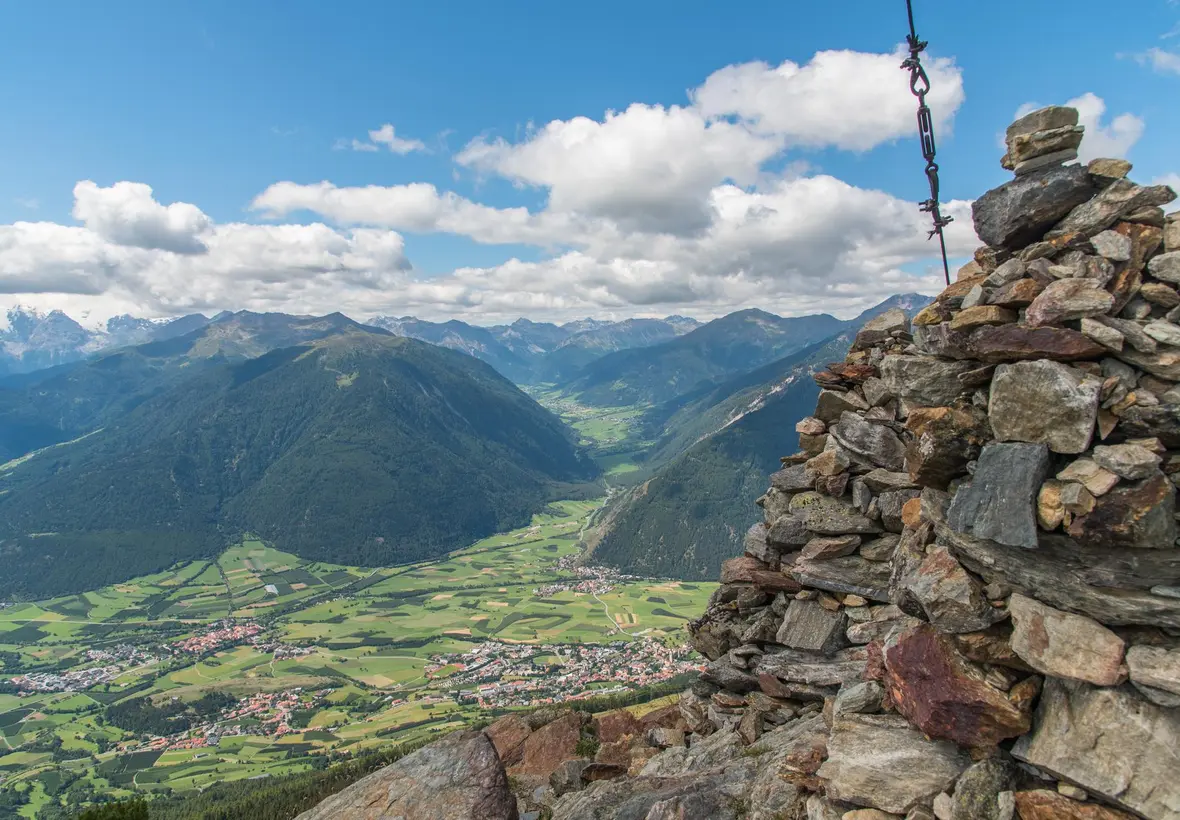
[385,135]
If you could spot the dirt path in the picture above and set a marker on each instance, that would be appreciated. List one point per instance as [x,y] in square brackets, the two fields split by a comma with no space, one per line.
[613,622]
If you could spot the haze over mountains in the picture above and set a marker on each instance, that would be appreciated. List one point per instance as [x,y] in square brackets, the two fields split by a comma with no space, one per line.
[525,351]
[359,444]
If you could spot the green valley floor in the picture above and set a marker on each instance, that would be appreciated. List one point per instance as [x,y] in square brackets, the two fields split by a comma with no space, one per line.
[259,663]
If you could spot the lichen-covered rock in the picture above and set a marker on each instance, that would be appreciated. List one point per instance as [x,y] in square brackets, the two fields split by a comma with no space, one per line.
[1109,742]
[1044,402]
[923,380]
[456,778]
[977,794]
[1065,645]
[829,516]
[882,762]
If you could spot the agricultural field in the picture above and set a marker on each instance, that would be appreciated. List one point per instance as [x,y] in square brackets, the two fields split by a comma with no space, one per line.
[611,434]
[259,662]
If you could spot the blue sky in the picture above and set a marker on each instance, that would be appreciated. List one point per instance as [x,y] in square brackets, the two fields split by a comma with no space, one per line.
[211,104]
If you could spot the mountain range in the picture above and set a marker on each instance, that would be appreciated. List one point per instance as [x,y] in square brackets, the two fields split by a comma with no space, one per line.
[524,351]
[364,444]
[34,340]
[688,509]
[361,448]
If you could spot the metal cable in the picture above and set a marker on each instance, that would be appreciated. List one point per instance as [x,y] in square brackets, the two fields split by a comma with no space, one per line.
[920,87]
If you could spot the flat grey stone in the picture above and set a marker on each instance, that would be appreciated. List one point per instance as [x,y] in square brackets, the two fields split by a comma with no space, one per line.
[810,627]
[1000,501]
[876,443]
[1109,742]
[924,380]
[882,762]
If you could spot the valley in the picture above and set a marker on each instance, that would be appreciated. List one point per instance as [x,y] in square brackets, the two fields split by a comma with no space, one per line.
[259,663]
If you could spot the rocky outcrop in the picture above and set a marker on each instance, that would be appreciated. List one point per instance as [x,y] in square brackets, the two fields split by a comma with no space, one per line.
[457,778]
[963,601]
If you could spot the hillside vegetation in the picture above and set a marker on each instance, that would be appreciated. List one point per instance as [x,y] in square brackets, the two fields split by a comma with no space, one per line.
[362,448]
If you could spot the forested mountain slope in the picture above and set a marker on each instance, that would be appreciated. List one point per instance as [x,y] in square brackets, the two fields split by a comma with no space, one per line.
[361,448]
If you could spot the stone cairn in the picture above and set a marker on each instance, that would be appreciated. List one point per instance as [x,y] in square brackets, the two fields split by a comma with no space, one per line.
[970,570]
[963,601]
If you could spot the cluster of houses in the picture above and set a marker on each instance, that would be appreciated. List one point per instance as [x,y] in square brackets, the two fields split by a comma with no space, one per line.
[110,664]
[220,634]
[498,675]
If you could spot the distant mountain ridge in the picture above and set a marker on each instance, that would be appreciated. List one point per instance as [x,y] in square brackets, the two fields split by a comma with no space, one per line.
[360,447]
[34,340]
[531,352]
[713,451]
[58,404]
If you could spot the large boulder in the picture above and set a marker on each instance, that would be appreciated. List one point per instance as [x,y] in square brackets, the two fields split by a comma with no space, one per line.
[1044,402]
[1111,743]
[1019,212]
[456,778]
[882,762]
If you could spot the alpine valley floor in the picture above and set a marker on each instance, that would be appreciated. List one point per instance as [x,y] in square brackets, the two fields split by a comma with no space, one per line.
[260,663]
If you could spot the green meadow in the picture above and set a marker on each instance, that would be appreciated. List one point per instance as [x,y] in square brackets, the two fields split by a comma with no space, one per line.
[362,640]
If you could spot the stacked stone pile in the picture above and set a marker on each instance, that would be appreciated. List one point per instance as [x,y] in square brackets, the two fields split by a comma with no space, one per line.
[963,601]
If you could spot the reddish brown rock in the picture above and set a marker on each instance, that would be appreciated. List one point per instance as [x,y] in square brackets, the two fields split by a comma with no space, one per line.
[508,735]
[666,717]
[550,746]
[943,440]
[855,373]
[1043,804]
[944,695]
[1017,294]
[955,292]
[747,570]
[616,725]
[1136,515]
[1014,343]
